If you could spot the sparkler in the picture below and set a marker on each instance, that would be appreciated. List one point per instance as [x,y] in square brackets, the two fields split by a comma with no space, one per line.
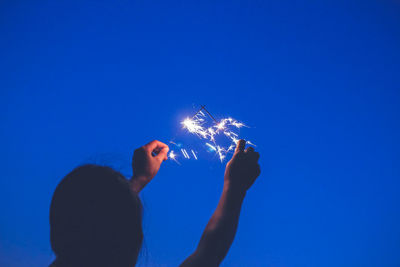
[194,154]
[197,126]
[173,156]
[184,153]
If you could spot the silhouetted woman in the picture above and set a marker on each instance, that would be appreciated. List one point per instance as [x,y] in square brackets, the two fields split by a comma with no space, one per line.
[96,214]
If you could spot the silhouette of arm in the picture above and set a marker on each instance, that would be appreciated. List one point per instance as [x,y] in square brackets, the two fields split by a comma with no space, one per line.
[241,172]
[219,232]
[146,162]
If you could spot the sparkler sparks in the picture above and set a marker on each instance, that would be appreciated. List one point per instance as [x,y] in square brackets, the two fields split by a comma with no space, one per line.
[221,153]
[185,154]
[194,154]
[211,146]
[173,156]
[197,125]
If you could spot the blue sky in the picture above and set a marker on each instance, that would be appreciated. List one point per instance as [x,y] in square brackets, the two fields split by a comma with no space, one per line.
[89,81]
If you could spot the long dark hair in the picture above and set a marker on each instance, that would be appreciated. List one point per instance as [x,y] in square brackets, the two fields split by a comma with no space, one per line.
[95,219]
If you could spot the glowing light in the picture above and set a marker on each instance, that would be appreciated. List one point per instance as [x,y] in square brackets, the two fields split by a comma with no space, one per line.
[250,143]
[194,154]
[211,146]
[221,125]
[227,126]
[194,126]
[221,154]
[230,148]
[173,156]
[185,154]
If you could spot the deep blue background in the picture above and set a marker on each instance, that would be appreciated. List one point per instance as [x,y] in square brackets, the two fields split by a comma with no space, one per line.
[89,81]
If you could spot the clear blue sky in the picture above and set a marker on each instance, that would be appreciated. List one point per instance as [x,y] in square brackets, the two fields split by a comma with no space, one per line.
[89,81]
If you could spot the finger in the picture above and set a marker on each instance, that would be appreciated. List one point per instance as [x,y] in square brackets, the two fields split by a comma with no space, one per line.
[153,145]
[163,154]
[240,146]
[249,149]
[253,155]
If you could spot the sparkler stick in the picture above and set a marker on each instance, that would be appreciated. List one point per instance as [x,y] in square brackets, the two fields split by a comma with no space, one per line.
[201,108]
[204,107]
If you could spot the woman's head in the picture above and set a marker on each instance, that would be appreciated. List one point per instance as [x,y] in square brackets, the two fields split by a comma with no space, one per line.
[95,219]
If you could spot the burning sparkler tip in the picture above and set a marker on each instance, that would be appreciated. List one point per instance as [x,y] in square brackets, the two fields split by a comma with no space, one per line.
[196,125]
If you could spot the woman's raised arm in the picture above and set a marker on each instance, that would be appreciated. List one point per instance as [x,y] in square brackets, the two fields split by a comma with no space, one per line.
[240,173]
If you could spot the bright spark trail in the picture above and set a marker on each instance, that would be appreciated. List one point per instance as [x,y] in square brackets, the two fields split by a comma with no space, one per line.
[172,156]
[197,126]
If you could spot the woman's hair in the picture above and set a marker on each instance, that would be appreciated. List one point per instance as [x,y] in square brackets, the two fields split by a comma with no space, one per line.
[95,219]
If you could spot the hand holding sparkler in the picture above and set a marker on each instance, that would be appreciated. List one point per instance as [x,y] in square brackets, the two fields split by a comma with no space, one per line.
[146,162]
[243,169]
[241,172]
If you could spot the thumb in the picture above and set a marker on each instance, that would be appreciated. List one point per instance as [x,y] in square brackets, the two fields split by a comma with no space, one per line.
[162,155]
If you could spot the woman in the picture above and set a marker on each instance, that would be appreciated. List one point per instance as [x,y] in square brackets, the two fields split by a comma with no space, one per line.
[95,213]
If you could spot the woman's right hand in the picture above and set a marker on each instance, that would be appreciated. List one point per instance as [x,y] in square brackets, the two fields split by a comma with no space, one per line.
[243,169]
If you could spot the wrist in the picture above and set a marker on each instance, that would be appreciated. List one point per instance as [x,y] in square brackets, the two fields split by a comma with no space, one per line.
[233,189]
[138,182]
[138,176]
